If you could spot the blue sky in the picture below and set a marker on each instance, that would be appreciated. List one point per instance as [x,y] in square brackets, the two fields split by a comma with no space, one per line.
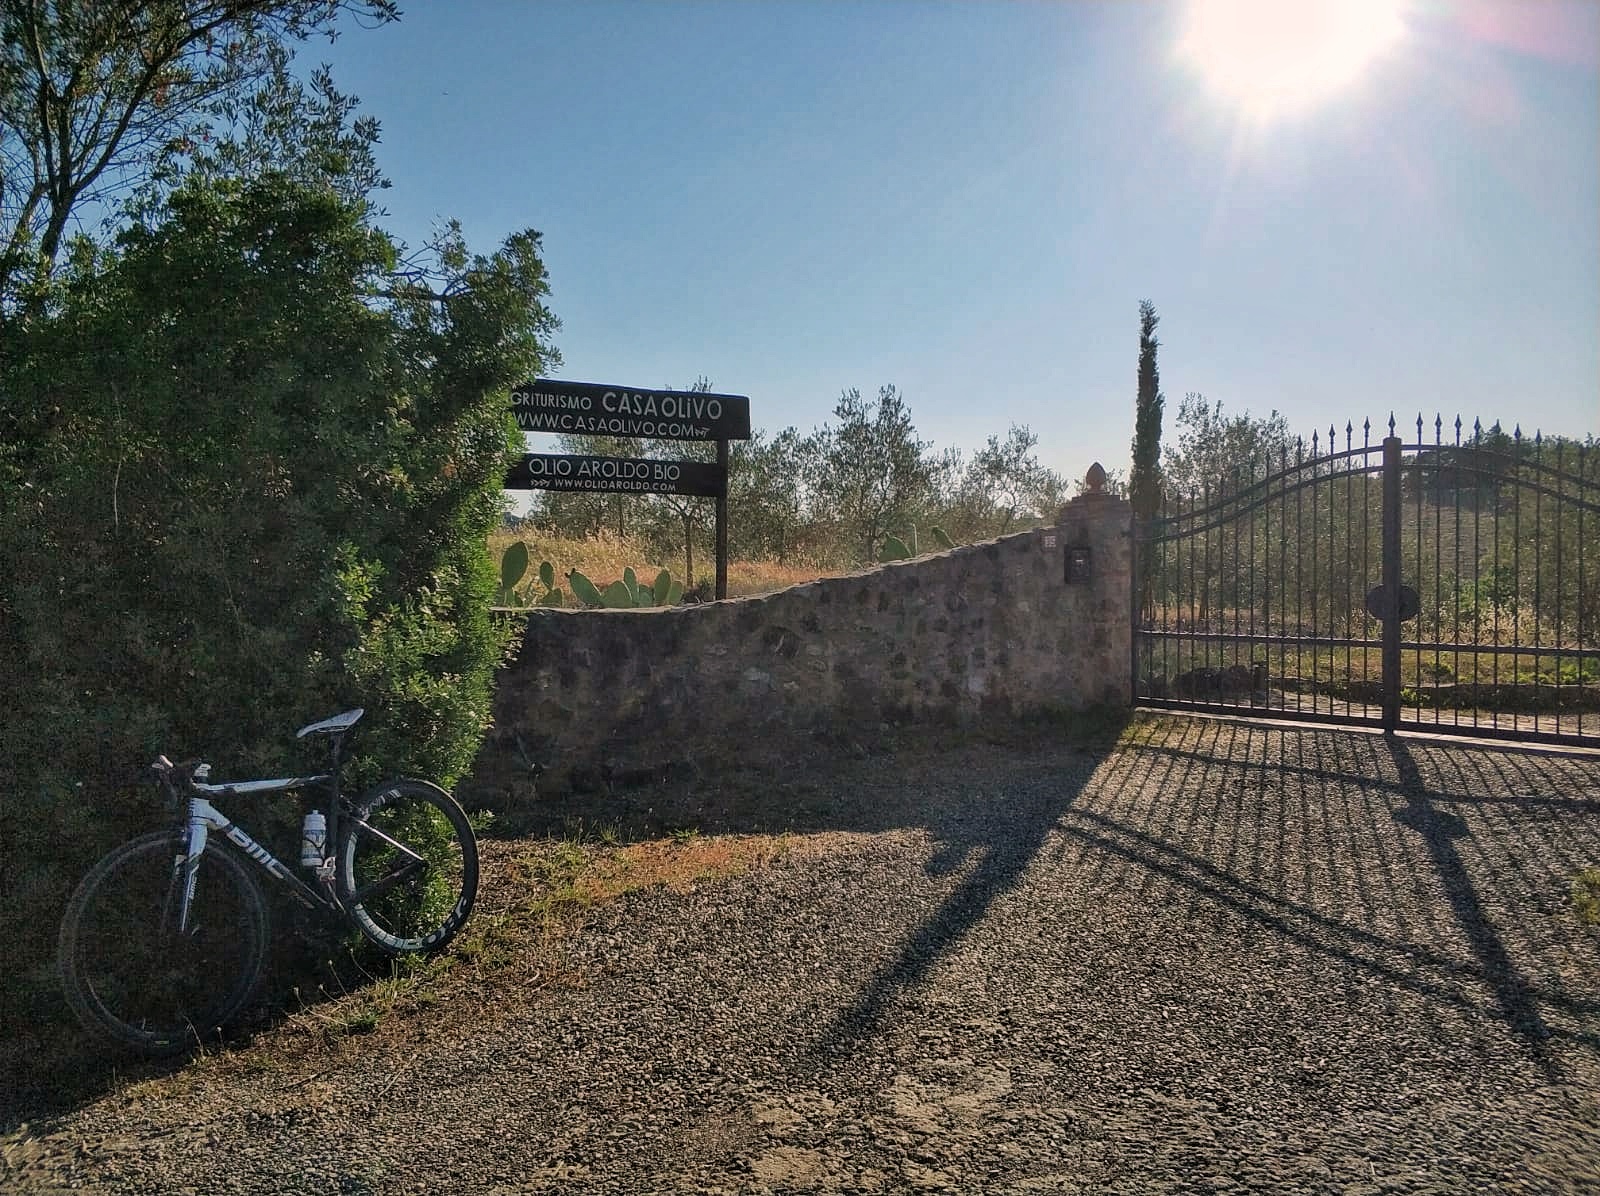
[968,200]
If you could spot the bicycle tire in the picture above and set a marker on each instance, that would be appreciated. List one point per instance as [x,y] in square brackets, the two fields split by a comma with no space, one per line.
[423,912]
[129,977]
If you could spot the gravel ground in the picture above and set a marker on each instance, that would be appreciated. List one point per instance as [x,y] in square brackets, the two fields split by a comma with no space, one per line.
[1215,958]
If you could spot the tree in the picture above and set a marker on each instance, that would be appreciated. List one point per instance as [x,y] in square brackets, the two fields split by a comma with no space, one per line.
[769,491]
[1214,447]
[1001,486]
[877,476]
[1009,474]
[100,97]
[256,483]
[1144,484]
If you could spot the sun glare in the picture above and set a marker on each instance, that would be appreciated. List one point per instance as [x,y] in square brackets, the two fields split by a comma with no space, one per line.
[1276,58]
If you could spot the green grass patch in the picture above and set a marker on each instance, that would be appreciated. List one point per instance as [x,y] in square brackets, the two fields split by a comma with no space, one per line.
[1586,896]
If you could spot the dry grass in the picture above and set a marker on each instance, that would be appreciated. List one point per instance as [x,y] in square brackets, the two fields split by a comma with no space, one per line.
[679,864]
[603,558]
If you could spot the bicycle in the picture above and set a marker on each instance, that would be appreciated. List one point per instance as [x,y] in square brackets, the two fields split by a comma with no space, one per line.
[164,940]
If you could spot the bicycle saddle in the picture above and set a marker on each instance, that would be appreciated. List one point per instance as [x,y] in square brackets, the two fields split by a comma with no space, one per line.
[332,726]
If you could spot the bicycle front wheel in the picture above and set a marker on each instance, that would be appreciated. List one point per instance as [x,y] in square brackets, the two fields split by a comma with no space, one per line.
[129,973]
[408,866]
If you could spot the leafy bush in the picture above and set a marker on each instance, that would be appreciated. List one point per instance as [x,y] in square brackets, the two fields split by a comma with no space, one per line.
[246,476]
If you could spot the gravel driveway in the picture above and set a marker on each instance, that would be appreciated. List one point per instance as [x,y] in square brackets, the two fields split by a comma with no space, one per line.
[1214,958]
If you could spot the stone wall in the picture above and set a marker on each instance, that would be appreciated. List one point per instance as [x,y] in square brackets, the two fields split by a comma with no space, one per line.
[991,629]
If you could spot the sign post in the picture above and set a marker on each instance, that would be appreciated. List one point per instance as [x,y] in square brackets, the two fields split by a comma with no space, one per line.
[594,409]
[722,520]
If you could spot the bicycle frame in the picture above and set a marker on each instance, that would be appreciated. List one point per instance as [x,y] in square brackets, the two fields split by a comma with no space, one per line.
[203,817]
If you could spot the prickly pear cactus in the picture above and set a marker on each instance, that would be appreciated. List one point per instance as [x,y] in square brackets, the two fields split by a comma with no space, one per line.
[627,592]
[584,590]
[894,549]
[513,565]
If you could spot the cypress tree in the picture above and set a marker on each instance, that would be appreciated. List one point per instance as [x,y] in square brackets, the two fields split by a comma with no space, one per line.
[1145,484]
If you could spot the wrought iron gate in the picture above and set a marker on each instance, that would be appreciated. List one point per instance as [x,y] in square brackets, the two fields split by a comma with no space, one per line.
[1446,586]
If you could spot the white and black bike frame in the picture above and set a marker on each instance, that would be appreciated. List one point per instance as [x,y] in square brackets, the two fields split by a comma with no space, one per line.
[203,817]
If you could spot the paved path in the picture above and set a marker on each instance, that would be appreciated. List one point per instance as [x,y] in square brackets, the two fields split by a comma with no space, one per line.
[1216,958]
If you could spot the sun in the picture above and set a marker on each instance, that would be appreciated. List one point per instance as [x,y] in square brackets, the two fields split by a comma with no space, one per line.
[1278,58]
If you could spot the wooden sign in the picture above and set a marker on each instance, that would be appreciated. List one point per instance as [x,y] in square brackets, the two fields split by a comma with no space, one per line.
[572,472]
[594,409]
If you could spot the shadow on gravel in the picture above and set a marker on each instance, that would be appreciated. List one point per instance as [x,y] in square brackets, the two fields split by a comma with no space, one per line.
[1006,838]
[50,1066]
[1361,894]
[1439,830]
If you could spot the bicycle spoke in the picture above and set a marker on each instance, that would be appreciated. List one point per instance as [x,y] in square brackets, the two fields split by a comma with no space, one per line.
[378,888]
[408,867]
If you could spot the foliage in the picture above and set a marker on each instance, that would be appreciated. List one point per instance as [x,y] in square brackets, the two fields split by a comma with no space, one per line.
[101,98]
[604,557]
[896,549]
[513,564]
[877,474]
[246,479]
[769,488]
[1586,896]
[1004,484]
[513,567]
[1010,473]
[584,590]
[1218,450]
[628,591]
[1144,484]
[821,501]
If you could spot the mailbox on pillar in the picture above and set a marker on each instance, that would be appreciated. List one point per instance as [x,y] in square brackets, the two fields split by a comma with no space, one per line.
[1079,565]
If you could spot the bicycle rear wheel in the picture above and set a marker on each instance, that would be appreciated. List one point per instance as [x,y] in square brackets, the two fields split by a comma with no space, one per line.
[408,866]
[127,972]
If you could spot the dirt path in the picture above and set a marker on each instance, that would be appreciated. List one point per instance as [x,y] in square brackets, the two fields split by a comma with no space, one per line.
[1213,958]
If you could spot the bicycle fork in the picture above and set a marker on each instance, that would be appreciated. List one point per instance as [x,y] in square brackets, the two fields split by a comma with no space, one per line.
[203,818]
[186,868]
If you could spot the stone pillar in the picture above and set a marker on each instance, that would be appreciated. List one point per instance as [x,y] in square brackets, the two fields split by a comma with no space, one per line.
[1102,524]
